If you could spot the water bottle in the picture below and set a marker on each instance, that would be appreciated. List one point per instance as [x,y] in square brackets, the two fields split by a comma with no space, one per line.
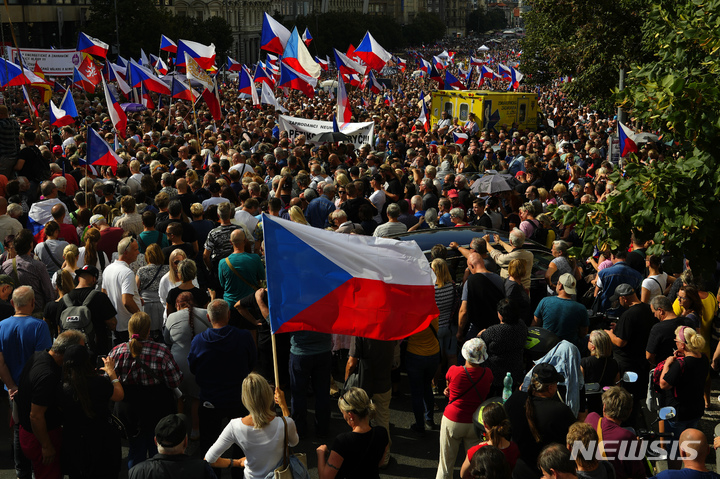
[507,387]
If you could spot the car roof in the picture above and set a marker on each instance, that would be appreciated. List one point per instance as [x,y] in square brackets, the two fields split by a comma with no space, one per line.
[463,235]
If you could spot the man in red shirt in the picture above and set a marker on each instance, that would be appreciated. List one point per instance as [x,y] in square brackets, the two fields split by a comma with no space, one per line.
[109,236]
[67,232]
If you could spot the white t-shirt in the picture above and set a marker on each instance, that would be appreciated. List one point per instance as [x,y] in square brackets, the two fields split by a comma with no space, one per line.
[263,448]
[378,199]
[119,279]
[655,284]
[242,168]
[245,218]
[215,200]
[98,264]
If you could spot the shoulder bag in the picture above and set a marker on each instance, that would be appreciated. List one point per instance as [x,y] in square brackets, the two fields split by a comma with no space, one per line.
[227,261]
[294,466]
[473,386]
[49,253]
[159,268]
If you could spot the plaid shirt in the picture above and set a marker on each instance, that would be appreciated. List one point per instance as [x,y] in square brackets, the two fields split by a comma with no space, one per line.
[156,355]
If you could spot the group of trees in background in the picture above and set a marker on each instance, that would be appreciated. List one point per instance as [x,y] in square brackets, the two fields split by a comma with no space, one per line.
[480,21]
[670,50]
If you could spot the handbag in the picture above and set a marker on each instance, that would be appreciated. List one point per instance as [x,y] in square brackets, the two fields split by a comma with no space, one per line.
[294,466]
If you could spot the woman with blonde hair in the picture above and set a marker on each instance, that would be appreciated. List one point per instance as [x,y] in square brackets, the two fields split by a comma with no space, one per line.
[599,367]
[149,375]
[260,434]
[517,292]
[296,215]
[70,255]
[357,453]
[683,380]
[148,283]
[445,298]
[63,282]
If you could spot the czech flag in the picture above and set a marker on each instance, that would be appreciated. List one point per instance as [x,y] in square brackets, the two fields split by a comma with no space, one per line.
[627,140]
[263,76]
[402,64]
[567,79]
[297,56]
[11,74]
[146,98]
[204,55]
[435,75]
[504,71]
[274,35]
[452,81]
[233,66]
[93,46]
[439,63]
[324,64]
[99,152]
[117,115]
[371,53]
[58,116]
[515,78]
[31,105]
[291,78]
[460,138]
[245,82]
[160,66]
[359,285]
[424,117]
[119,78]
[375,86]
[121,62]
[268,98]
[211,97]
[476,62]
[143,76]
[167,45]
[306,37]
[425,65]
[181,91]
[347,65]
[353,80]
[344,112]
[68,105]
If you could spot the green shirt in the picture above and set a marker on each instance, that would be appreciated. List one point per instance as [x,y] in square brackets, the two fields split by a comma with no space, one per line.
[250,267]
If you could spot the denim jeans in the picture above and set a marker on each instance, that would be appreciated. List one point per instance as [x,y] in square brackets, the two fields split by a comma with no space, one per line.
[314,369]
[421,370]
[141,448]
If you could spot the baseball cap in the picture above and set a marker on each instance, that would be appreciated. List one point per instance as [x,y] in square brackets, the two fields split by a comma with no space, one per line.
[57,150]
[547,374]
[88,269]
[623,289]
[96,218]
[171,430]
[568,282]
[452,193]
[5,279]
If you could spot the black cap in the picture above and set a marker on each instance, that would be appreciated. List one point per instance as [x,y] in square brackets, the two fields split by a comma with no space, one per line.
[547,374]
[623,289]
[88,269]
[171,430]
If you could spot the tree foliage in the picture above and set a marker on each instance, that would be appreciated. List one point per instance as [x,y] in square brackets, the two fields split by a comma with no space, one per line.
[675,202]
[586,39]
[141,22]
[481,22]
[425,28]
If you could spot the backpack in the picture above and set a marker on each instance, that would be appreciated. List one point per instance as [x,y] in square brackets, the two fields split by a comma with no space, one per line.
[655,396]
[79,317]
[540,233]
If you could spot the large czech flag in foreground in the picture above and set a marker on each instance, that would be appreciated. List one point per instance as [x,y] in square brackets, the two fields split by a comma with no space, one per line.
[345,284]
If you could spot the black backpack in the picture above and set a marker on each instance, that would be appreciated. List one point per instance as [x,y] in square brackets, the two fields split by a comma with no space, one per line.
[79,317]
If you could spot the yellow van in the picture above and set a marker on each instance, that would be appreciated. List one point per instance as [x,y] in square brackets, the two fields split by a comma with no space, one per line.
[494,110]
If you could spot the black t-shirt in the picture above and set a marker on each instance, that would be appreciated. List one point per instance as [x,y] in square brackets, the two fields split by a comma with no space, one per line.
[636,260]
[634,327]
[35,168]
[101,310]
[187,200]
[552,420]
[378,356]
[188,234]
[361,453]
[40,385]
[688,381]
[6,310]
[395,188]
[50,314]
[602,371]
[186,247]
[662,338]
[352,208]
[199,295]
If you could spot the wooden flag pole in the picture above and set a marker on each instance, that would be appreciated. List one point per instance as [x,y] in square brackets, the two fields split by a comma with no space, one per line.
[275,361]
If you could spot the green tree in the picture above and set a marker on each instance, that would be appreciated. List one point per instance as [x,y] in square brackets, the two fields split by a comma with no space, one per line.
[481,22]
[214,30]
[424,29]
[138,22]
[675,201]
[587,39]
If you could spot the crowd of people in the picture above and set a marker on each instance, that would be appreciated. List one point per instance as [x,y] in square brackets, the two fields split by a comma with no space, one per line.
[131,293]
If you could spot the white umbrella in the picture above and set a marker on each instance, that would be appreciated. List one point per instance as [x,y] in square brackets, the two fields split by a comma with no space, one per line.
[483,48]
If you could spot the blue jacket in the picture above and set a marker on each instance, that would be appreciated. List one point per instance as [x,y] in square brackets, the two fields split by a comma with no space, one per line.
[614,276]
[318,211]
[565,356]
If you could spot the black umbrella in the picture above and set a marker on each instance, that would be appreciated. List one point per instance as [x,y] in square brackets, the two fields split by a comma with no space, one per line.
[331,137]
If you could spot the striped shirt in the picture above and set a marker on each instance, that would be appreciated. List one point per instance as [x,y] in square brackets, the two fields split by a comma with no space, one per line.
[445,298]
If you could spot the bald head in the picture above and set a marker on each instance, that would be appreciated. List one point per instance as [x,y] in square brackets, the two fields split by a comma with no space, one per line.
[474,260]
[58,212]
[237,238]
[694,446]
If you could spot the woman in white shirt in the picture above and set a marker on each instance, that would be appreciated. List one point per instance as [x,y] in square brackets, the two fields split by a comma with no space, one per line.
[656,282]
[261,434]
[89,254]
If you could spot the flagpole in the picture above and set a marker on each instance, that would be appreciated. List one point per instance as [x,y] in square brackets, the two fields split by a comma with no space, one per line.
[275,361]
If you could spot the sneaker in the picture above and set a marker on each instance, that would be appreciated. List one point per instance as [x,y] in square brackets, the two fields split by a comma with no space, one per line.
[418,428]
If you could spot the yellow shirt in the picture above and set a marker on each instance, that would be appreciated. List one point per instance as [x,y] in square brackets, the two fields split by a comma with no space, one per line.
[425,343]
[707,314]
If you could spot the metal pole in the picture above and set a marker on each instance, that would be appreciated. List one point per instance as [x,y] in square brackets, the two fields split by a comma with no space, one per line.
[621,86]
